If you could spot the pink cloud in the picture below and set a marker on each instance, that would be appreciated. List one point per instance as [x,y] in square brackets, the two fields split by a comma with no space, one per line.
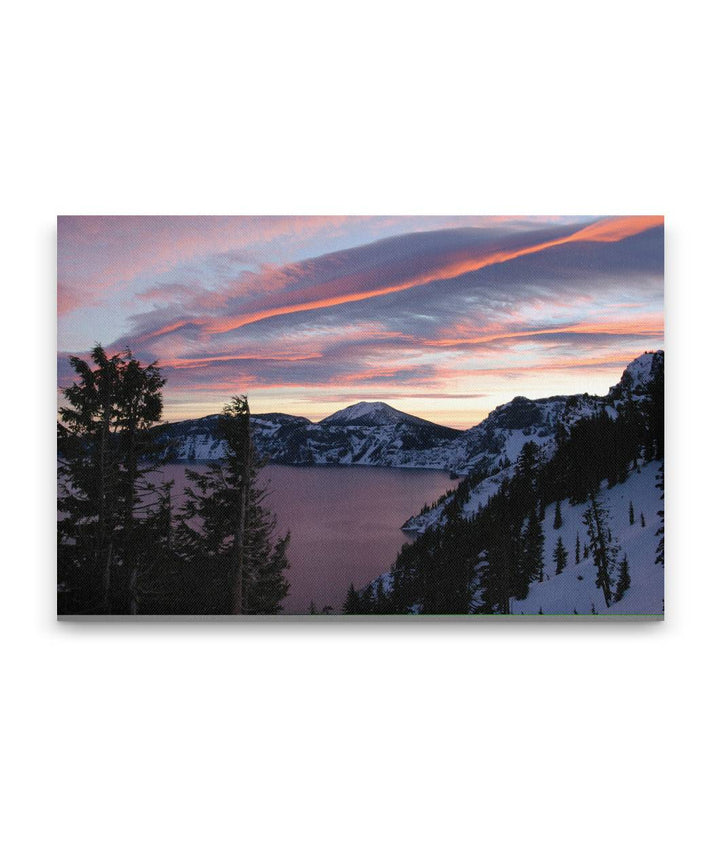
[98,253]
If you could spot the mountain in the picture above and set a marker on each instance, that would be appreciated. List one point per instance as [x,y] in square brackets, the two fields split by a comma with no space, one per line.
[573,476]
[491,448]
[574,589]
[375,434]
[373,413]
[367,433]
[529,461]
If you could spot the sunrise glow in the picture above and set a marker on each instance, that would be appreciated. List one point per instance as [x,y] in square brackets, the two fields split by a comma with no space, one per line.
[442,317]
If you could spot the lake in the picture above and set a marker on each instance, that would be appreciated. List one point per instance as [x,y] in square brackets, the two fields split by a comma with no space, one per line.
[344,523]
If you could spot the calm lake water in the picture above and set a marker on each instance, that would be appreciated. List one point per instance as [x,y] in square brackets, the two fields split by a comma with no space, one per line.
[344,523]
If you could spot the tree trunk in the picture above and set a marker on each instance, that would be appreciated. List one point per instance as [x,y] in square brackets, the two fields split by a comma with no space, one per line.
[129,595]
[103,555]
[238,591]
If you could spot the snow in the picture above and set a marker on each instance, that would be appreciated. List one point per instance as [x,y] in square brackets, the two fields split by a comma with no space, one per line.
[640,369]
[371,412]
[563,593]
[574,589]
[372,433]
[638,373]
[359,410]
[498,446]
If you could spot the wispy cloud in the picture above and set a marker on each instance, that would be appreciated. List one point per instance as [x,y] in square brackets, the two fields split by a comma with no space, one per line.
[424,308]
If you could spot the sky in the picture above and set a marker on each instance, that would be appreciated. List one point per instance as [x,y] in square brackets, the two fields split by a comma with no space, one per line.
[442,317]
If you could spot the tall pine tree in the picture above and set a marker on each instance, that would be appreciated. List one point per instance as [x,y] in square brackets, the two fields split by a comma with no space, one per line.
[623,583]
[105,455]
[604,552]
[531,563]
[226,530]
[660,550]
[560,556]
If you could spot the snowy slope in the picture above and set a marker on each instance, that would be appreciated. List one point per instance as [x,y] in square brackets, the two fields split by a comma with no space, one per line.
[494,445]
[574,590]
[368,433]
[371,433]
[638,374]
[375,413]
[565,592]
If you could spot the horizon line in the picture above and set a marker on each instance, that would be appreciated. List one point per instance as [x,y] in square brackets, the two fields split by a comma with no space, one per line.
[353,402]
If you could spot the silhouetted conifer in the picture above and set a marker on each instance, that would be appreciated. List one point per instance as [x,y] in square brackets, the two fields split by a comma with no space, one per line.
[531,563]
[623,583]
[560,556]
[352,604]
[105,453]
[604,551]
[660,550]
[381,601]
[227,532]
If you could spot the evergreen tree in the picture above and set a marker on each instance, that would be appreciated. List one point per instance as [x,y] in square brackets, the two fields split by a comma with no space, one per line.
[642,520]
[139,408]
[381,601]
[449,578]
[560,556]
[367,601]
[159,585]
[631,513]
[660,551]
[531,564]
[352,602]
[526,475]
[623,583]
[500,551]
[437,572]
[313,608]
[558,521]
[105,454]
[227,532]
[604,551]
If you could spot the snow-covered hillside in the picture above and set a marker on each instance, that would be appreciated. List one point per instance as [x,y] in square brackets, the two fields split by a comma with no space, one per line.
[368,433]
[574,589]
[375,413]
[493,446]
[375,434]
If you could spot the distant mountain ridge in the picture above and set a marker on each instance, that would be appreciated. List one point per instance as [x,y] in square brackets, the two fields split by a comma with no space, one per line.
[376,434]
[366,433]
[375,413]
[494,445]
[559,518]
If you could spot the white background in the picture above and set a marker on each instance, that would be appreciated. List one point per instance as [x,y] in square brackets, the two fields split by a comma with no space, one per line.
[358,739]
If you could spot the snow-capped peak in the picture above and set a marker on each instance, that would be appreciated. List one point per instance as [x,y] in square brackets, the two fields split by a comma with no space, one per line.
[640,371]
[369,412]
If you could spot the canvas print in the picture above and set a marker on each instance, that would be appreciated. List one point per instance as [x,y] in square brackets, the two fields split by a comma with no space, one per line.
[360,416]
